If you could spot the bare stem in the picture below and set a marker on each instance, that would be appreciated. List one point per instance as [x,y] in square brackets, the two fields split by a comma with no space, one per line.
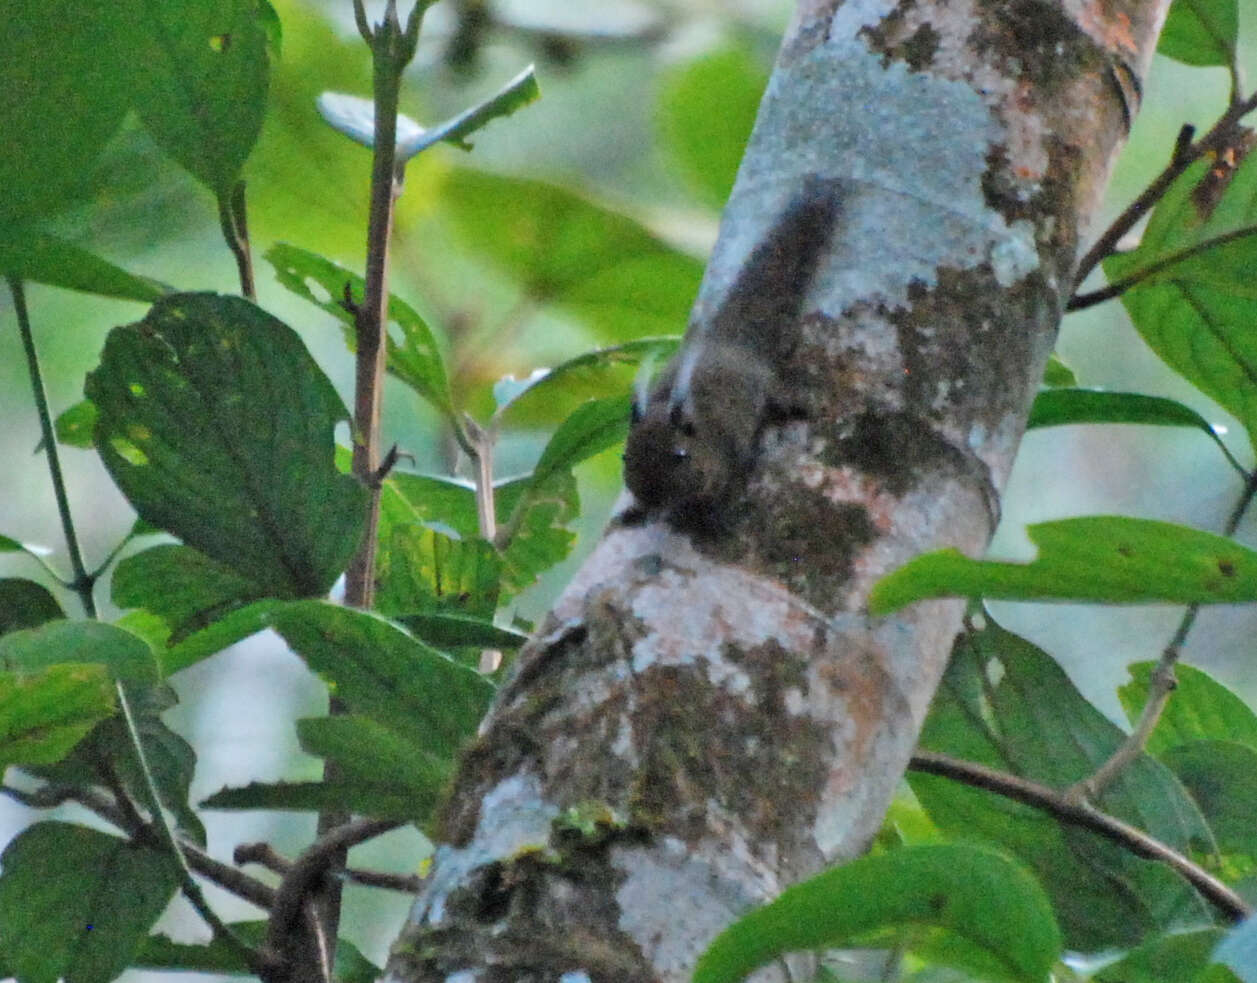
[1067,809]
[1118,287]
[1185,154]
[390,55]
[83,582]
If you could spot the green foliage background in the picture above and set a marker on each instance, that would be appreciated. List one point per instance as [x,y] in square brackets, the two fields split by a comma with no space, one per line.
[583,225]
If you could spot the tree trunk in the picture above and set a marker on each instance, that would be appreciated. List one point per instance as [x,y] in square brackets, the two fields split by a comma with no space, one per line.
[709,714]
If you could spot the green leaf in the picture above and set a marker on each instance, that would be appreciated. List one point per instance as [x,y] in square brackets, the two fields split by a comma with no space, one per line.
[182,585]
[534,515]
[1201,709]
[1175,958]
[1238,950]
[423,570]
[705,111]
[29,255]
[1194,305]
[413,354]
[451,631]
[433,498]
[1005,704]
[1108,559]
[125,656]
[227,630]
[76,426]
[171,760]
[202,72]
[1060,407]
[76,903]
[596,265]
[379,670]
[974,893]
[65,71]
[369,751]
[1201,32]
[44,713]
[1058,373]
[553,395]
[372,756]
[26,604]
[217,425]
[1222,778]
[368,798]
[515,95]
[219,956]
[595,426]
[355,117]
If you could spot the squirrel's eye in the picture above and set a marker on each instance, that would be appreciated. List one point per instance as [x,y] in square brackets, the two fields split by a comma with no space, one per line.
[687,428]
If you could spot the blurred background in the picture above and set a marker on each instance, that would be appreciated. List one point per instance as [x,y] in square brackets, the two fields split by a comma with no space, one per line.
[644,106]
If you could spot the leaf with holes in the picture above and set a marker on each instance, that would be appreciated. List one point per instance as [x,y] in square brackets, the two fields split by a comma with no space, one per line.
[217,425]
[413,354]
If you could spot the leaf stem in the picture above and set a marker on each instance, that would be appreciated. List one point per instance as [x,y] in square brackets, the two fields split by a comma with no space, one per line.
[83,582]
[234,222]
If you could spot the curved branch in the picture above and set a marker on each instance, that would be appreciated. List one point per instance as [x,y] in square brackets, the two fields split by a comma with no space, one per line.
[1086,816]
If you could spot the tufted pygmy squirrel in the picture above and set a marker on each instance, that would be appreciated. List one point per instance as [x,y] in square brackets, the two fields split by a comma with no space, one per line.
[694,435]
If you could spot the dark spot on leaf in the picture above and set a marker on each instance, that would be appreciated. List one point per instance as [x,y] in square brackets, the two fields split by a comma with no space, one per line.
[1125,551]
[1226,568]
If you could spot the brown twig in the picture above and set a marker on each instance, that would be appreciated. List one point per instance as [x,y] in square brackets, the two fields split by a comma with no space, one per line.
[1086,816]
[268,857]
[1118,287]
[1183,157]
[301,886]
[224,875]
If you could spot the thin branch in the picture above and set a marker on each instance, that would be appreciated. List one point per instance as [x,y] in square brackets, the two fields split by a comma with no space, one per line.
[1162,681]
[224,875]
[1183,157]
[305,876]
[268,857]
[83,582]
[1118,287]
[1086,816]
[391,50]
[388,48]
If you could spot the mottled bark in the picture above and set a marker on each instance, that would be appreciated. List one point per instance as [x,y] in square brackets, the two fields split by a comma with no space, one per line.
[703,720]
